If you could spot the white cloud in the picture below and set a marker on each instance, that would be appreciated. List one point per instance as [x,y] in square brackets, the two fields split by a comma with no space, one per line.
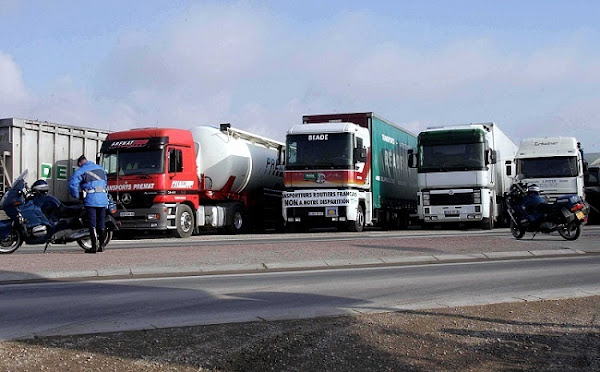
[13,90]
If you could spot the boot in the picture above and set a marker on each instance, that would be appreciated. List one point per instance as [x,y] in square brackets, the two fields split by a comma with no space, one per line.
[93,240]
[101,239]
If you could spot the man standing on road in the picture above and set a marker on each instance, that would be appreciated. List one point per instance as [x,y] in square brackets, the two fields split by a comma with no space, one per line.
[90,179]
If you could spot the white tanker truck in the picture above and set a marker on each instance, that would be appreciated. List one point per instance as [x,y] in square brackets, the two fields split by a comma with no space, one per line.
[187,180]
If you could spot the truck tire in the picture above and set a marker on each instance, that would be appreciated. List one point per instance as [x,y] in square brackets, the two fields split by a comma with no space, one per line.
[487,223]
[184,222]
[238,221]
[359,224]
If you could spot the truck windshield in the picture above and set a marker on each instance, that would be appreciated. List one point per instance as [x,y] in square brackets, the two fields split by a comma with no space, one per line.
[125,163]
[548,167]
[323,150]
[452,157]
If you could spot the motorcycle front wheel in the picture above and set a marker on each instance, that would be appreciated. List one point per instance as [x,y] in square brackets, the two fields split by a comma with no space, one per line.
[11,243]
[86,243]
[516,230]
[570,231]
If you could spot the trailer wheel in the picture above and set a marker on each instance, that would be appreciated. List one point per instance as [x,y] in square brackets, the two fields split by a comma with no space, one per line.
[184,222]
[238,223]
[359,224]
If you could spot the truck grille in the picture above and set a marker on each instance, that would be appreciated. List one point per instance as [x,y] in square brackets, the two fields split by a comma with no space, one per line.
[456,199]
[313,212]
[136,199]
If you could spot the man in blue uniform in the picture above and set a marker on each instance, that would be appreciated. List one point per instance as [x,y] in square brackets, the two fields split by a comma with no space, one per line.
[90,179]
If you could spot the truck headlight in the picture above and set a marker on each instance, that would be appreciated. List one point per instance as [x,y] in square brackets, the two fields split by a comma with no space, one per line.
[477,197]
[426,198]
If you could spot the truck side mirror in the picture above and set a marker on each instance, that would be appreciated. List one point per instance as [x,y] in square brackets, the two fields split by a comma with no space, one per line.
[412,158]
[491,157]
[280,155]
[360,154]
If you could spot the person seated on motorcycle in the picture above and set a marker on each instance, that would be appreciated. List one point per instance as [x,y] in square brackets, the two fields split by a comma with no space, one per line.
[534,204]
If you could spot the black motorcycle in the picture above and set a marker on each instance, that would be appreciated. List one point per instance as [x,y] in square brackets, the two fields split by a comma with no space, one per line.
[35,217]
[565,215]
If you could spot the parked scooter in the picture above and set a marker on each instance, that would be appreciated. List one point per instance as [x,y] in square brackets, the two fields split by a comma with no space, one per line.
[531,212]
[39,218]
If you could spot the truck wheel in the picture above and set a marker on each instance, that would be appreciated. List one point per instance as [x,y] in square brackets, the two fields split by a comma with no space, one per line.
[359,224]
[403,221]
[237,221]
[184,221]
[487,223]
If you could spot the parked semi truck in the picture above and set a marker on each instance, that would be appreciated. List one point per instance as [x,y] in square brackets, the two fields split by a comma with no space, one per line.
[461,176]
[48,151]
[183,181]
[348,171]
[555,164]
[592,192]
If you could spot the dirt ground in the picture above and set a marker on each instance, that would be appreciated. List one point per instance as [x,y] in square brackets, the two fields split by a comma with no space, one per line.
[559,335]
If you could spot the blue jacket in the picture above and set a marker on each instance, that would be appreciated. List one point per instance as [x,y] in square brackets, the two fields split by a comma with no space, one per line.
[90,178]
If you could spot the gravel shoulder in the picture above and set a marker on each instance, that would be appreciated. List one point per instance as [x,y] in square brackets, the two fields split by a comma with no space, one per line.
[561,335]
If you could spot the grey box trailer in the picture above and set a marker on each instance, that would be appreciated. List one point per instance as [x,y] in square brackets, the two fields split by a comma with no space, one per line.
[48,151]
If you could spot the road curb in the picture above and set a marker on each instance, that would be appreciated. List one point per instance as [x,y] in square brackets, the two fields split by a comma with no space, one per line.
[7,277]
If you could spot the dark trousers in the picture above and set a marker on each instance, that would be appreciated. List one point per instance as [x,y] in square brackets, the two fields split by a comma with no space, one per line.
[96,217]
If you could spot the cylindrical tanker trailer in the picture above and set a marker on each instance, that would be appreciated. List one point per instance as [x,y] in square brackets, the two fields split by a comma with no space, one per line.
[234,162]
[188,180]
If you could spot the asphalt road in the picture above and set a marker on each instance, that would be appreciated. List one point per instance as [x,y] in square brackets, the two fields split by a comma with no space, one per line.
[28,310]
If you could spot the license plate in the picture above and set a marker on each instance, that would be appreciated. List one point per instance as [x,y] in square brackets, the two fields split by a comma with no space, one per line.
[451,213]
[126,214]
[580,215]
[315,213]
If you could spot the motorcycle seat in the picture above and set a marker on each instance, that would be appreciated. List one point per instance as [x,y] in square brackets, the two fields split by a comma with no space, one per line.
[70,210]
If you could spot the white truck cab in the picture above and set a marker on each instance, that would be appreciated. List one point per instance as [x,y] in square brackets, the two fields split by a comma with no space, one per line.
[555,164]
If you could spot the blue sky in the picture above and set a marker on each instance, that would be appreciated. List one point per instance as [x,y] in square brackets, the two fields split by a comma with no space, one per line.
[530,66]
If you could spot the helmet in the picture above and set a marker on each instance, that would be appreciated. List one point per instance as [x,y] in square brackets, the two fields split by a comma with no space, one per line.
[533,189]
[40,187]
